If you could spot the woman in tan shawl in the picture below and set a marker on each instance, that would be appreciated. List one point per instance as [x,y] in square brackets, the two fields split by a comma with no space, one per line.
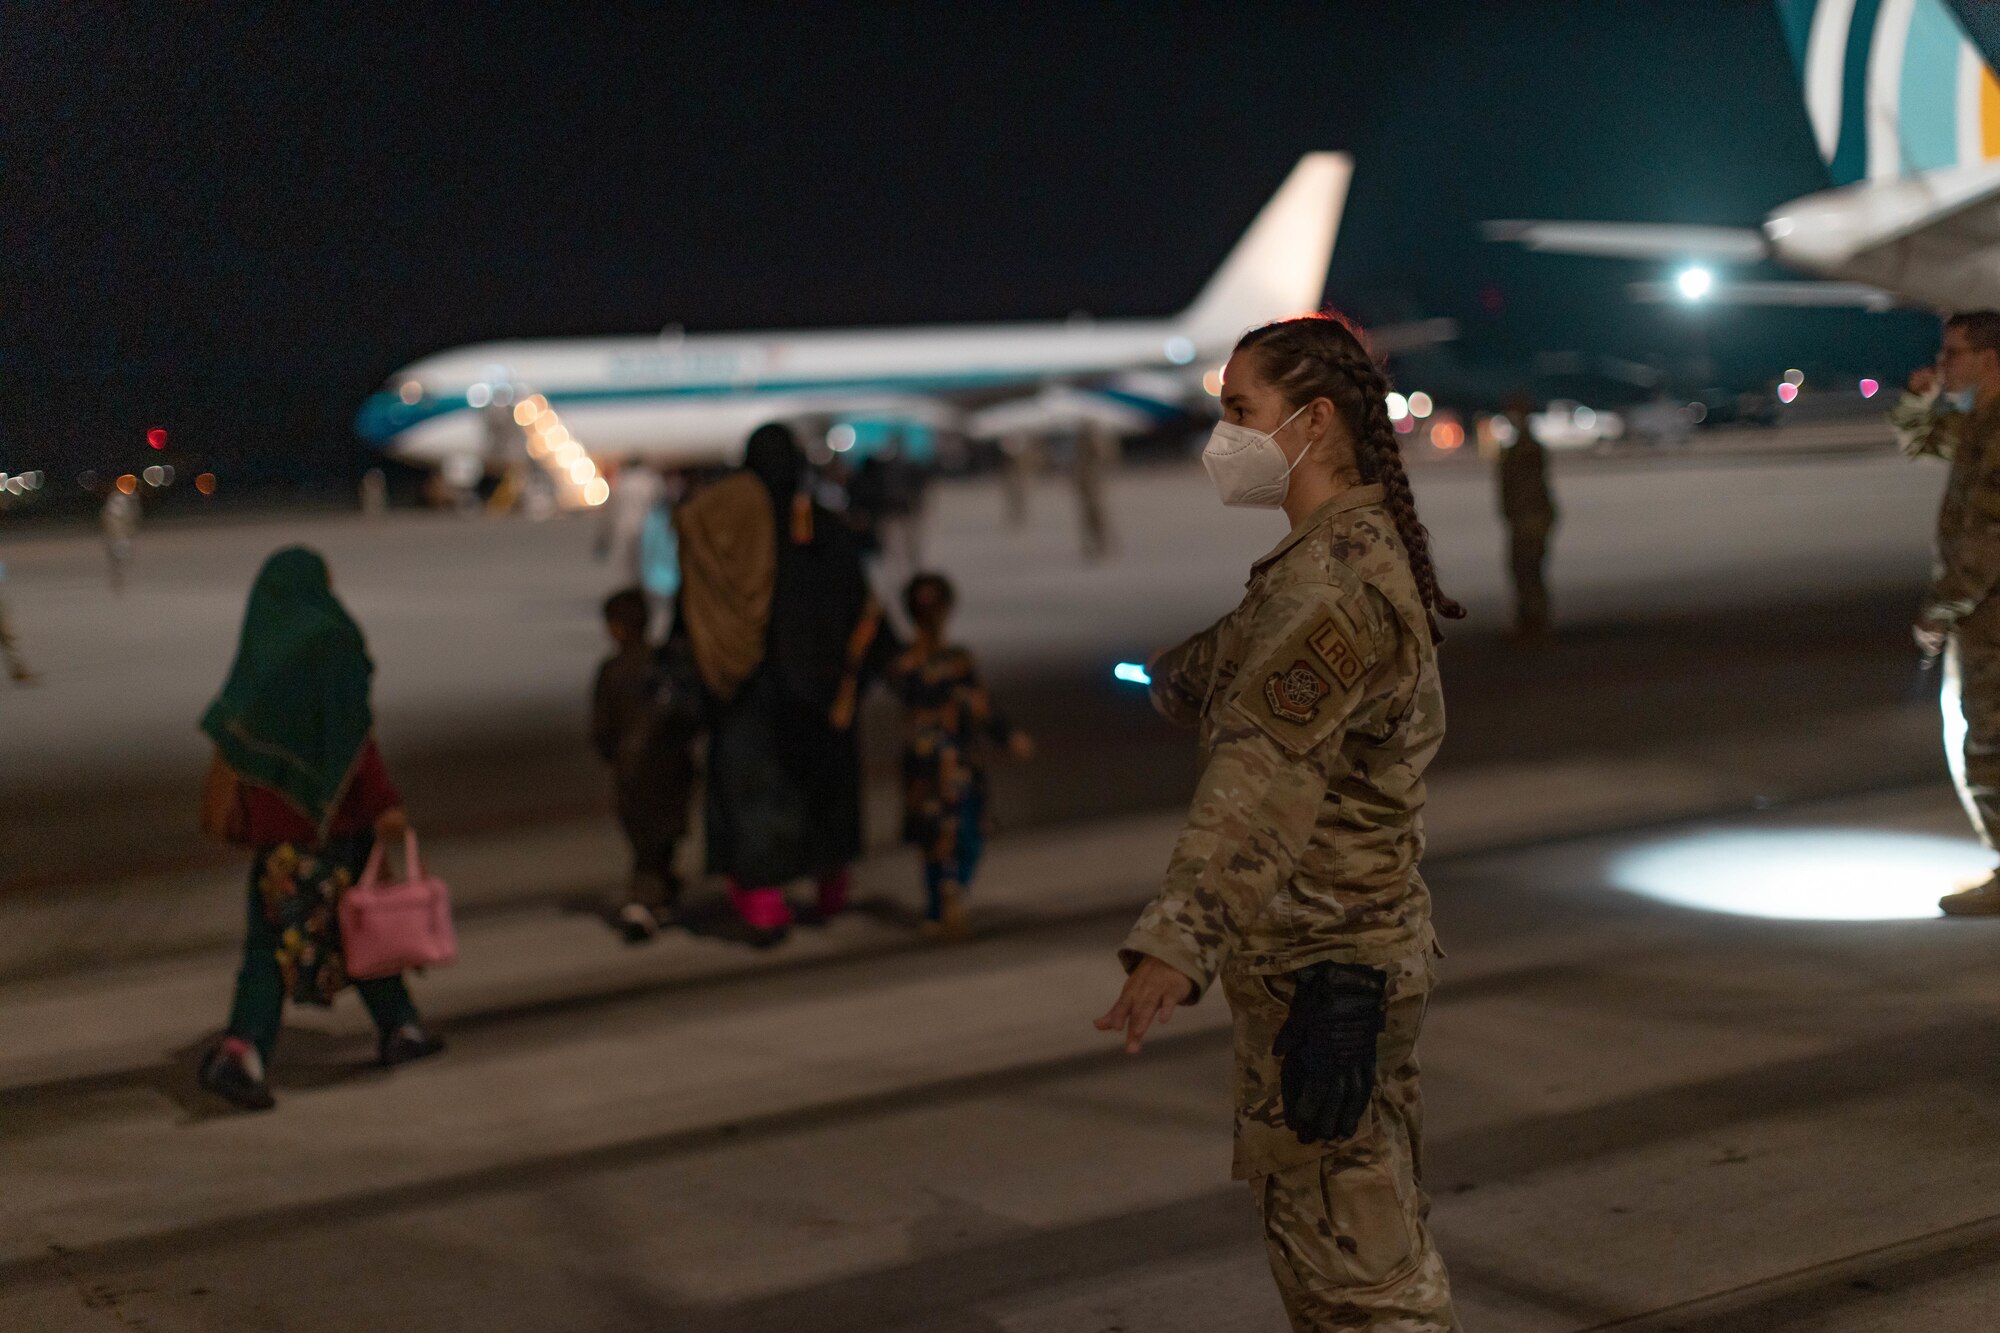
[783,631]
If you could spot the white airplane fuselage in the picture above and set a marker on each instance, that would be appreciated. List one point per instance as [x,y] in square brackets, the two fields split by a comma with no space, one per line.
[695,398]
[698,397]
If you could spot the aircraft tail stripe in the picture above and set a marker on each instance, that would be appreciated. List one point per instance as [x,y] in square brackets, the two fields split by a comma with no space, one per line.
[1989,113]
[1886,55]
[1850,161]
[1820,48]
[1929,95]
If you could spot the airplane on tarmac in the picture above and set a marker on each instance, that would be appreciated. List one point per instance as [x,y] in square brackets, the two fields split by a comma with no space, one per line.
[686,398]
[1906,113]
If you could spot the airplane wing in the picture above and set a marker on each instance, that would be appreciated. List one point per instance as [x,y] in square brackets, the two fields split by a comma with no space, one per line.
[1633,240]
[1851,295]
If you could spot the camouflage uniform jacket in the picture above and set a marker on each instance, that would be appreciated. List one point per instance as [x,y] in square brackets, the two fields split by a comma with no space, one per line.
[1924,426]
[1320,707]
[1967,566]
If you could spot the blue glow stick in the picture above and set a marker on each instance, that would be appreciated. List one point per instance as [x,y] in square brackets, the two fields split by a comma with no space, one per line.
[1132,672]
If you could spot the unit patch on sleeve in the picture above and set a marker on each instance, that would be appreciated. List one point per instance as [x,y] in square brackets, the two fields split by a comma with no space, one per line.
[1296,695]
[1332,647]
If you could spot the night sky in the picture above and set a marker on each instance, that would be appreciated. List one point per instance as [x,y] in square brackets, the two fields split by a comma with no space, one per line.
[237,221]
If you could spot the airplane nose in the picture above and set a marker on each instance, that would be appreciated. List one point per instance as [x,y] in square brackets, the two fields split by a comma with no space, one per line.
[382,416]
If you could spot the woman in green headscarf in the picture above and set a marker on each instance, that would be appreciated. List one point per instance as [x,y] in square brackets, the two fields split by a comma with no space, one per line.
[297,775]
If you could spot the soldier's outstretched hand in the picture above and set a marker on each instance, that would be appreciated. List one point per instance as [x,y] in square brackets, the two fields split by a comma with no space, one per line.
[1152,991]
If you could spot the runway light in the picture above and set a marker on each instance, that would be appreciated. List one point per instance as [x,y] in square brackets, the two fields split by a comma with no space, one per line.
[1805,874]
[1179,350]
[1132,673]
[1795,378]
[1420,404]
[597,492]
[1399,406]
[1695,283]
[156,438]
[479,395]
[1869,388]
[1787,392]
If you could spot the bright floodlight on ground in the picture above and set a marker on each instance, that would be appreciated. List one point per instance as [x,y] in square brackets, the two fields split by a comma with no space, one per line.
[1805,874]
[1132,672]
[1695,283]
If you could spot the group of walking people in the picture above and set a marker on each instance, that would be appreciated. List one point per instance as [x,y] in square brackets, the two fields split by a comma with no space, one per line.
[775,638]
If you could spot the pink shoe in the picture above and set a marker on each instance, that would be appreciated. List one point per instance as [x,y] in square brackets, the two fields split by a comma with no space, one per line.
[761,909]
[833,890]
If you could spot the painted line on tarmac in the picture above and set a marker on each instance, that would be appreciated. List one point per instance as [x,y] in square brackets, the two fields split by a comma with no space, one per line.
[1829,1286]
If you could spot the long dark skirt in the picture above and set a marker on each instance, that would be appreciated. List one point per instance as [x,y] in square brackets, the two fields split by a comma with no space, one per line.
[784,789]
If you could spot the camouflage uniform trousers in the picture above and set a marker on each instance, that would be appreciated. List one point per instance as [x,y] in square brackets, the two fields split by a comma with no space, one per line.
[1344,1224]
[1972,673]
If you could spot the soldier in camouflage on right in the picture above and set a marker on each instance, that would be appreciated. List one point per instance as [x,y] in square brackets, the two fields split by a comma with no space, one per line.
[1295,884]
[1959,419]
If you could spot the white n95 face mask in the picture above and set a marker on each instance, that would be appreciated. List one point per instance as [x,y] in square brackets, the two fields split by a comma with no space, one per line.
[1248,466]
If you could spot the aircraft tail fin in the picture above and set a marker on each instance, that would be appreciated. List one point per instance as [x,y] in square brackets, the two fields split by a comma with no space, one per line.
[1892,87]
[1279,266]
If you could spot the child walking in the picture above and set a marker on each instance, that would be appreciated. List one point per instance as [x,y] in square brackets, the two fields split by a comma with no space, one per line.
[949,714]
[644,726]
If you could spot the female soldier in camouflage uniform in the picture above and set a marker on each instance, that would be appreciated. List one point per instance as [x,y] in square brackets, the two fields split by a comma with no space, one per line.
[1296,880]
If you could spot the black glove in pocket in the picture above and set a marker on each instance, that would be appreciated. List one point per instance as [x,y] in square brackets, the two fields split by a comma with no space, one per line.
[1327,1049]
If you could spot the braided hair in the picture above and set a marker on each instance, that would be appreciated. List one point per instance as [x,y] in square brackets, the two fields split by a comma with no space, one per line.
[1324,356]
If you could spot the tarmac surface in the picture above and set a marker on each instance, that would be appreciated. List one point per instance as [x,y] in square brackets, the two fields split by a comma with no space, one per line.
[1642,1114]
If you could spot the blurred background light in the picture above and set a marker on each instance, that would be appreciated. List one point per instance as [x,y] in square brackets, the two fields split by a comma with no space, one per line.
[1694,283]
[1787,392]
[1869,388]
[1420,404]
[1805,874]
[1399,406]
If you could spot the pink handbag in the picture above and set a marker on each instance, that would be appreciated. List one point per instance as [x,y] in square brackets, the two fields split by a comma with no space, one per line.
[391,928]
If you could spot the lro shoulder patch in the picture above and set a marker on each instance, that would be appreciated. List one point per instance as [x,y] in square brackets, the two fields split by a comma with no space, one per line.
[1296,694]
[1332,647]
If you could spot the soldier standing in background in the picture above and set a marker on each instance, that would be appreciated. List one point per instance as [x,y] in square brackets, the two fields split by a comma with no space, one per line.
[1096,446]
[1295,882]
[1529,510]
[1960,617]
